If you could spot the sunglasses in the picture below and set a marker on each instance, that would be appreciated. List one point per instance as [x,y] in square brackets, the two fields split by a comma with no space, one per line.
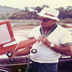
[44,20]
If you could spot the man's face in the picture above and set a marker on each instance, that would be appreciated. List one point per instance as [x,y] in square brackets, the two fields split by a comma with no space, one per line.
[46,22]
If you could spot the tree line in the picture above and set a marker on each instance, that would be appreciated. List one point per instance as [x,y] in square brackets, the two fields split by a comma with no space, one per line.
[27,14]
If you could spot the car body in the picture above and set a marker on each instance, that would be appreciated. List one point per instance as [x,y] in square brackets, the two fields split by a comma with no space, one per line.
[20,63]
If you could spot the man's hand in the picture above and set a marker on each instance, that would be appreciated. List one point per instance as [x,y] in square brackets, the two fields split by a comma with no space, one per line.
[44,40]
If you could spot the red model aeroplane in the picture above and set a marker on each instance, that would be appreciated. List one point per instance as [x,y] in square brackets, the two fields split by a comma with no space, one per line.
[7,40]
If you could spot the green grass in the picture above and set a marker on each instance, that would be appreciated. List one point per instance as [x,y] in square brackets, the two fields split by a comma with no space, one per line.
[67,20]
[24,21]
[33,22]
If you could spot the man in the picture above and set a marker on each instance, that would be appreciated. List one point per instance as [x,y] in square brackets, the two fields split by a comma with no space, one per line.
[52,41]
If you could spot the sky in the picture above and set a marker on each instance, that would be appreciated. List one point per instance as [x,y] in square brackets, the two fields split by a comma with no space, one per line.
[34,3]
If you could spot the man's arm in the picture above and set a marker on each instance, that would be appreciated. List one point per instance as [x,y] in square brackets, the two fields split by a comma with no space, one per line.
[25,51]
[60,49]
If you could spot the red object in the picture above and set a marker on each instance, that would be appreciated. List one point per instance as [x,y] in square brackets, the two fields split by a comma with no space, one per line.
[7,37]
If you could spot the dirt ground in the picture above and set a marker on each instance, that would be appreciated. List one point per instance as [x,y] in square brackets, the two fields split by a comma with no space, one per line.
[21,29]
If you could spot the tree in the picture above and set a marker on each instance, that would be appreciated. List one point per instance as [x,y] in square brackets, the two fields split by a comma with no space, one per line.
[61,12]
[45,6]
[27,14]
[38,9]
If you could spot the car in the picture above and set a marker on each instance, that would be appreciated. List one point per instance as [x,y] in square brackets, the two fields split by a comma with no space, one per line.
[20,62]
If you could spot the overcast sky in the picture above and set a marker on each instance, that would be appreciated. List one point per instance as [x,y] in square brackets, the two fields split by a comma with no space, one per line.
[34,3]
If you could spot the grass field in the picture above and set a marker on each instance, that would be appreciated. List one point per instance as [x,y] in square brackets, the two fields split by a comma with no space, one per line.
[23,22]
[69,20]
[32,22]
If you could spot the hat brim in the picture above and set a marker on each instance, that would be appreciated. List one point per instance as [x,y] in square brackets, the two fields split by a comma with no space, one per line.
[54,18]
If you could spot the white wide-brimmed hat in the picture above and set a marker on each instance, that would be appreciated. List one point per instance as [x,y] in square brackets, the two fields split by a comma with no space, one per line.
[49,13]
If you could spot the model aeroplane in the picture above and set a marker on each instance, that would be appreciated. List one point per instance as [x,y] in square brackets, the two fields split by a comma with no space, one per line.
[7,40]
